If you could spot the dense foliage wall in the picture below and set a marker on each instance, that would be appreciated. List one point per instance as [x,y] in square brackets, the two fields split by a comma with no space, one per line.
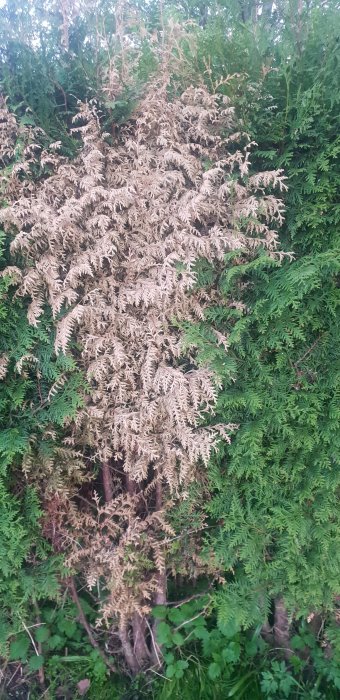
[156,214]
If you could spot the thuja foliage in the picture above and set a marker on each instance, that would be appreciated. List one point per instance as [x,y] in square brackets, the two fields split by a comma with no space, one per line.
[276,485]
[302,133]
[53,54]
[38,392]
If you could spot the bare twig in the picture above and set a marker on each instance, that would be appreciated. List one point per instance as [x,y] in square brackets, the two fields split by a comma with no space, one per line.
[188,532]
[158,674]
[310,349]
[107,482]
[186,622]
[31,638]
[8,683]
[154,643]
[85,624]
[178,603]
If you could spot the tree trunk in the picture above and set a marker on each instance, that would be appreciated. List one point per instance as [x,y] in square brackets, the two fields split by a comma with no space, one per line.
[136,652]
[137,637]
[281,627]
[140,647]
[161,593]
[127,648]
[267,633]
[107,482]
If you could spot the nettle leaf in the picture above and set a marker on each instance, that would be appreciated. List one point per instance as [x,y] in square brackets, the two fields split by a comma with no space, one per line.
[214,670]
[42,634]
[164,633]
[201,633]
[229,629]
[160,612]
[177,616]
[18,649]
[178,639]
[231,653]
[176,670]
[251,648]
[179,673]
[69,627]
[35,662]
[199,621]
[48,614]
[56,642]
[170,671]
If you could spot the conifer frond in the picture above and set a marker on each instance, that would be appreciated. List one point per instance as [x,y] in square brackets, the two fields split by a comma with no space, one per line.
[112,243]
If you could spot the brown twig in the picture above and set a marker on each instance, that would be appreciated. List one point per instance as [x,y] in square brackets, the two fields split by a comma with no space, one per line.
[310,349]
[107,482]
[186,622]
[178,603]
[85,624]
[154,643]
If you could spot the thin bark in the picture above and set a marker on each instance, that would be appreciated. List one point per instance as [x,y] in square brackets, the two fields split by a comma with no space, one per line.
[267,633]
[141,650]
[161,593]
[160,597]
[137,654]
[281,627]
[128,652]
[107,482]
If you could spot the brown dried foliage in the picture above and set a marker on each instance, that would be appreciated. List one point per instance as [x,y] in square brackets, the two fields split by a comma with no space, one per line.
[110,242]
